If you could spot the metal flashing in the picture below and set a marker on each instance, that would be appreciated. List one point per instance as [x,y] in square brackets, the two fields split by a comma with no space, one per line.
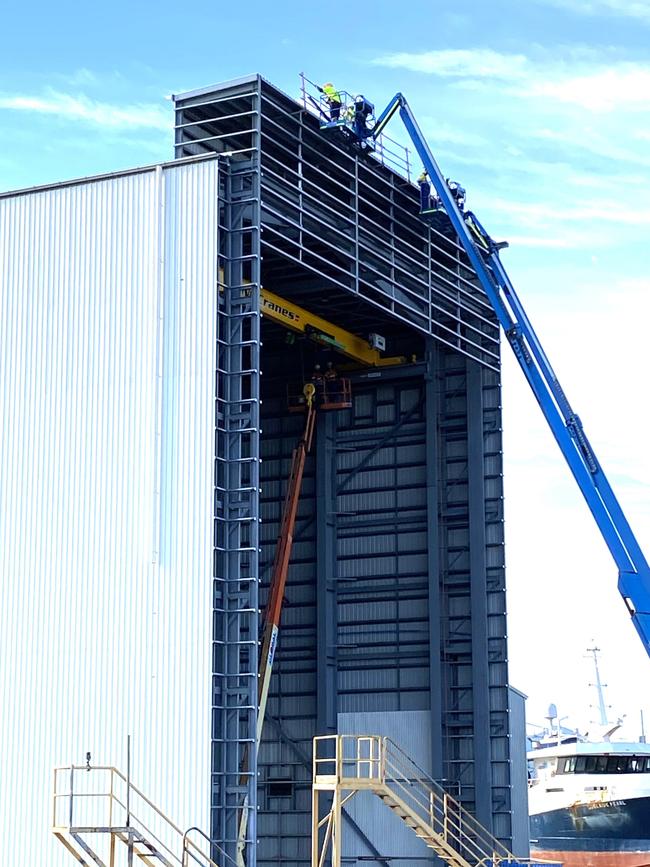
[107,176]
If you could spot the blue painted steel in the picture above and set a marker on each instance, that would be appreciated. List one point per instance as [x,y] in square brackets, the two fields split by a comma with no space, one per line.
[634,572]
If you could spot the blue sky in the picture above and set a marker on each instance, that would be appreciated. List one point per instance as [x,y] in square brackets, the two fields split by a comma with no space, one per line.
[542,109]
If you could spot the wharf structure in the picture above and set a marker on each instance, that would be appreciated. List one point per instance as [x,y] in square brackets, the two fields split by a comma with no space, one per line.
[155,389]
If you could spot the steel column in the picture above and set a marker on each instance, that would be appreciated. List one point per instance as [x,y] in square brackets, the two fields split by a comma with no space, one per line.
[326,563]
[432,410]
[235,643]
[478,590]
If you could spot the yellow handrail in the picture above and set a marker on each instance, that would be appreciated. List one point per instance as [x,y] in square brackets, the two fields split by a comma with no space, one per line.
[355,762]
[140,826]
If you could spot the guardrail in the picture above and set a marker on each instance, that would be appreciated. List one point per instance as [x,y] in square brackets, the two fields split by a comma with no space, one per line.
[345,764]
[95,807]
[386,150]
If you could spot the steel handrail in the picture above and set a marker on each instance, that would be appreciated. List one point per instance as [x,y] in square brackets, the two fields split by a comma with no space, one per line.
[141,826]
[462,842]
[187,842]
[448,817]
[454,825]
[137,824]
[373,758]
[376,763]
[400,162]
[122,777]
[464,814]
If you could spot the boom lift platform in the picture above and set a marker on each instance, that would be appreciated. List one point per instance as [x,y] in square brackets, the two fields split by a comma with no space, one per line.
[565,424]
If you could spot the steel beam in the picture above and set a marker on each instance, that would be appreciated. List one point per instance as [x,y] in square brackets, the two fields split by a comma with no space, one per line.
[478,590]
[326,564]
[432,410]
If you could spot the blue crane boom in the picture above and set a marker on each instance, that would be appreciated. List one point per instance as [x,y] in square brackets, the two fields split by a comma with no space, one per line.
[634,572]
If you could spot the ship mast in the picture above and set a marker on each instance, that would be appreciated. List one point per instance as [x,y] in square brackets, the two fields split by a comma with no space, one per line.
[599,685]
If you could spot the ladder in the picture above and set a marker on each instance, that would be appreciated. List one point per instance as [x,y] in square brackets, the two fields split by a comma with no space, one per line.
[236,509]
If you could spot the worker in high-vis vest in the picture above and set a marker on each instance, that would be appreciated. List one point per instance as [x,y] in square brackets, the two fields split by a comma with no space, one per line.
[333,99]
[425,191]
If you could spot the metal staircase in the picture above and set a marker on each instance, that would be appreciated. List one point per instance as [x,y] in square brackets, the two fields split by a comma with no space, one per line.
[347,764]
[103,820]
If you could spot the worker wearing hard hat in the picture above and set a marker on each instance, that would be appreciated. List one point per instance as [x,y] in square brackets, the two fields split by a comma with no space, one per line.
[333,100]
[331,384]
[425,191]
[458,192]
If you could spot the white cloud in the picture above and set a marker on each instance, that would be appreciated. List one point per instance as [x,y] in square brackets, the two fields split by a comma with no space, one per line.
[458,63]
[81,108]
[576,213]
[627,86]
[540,241]
[82,78]
[615,148]
[449,134]
[578,77]
[636,9]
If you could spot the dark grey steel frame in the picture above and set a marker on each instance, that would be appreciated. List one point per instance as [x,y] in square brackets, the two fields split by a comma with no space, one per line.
[236,510]
[332,222]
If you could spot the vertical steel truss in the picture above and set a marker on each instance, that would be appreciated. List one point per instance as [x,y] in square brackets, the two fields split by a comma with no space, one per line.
[235,605]
[472,586]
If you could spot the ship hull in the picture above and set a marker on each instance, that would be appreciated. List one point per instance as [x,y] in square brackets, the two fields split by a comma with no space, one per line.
[599,834]
[575,858]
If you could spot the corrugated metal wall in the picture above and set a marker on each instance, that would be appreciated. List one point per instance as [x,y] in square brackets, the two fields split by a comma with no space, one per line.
[107,345]
[519,772]
[372,630]
[382,538]
[410,730]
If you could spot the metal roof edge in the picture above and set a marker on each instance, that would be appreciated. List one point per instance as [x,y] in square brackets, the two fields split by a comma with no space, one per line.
[221,85]
[89,179]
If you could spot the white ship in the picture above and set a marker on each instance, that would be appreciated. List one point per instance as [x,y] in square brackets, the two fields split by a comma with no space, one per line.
[589,799]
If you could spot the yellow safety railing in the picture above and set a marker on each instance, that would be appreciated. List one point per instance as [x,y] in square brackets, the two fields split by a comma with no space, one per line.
[96,807]
[345,764]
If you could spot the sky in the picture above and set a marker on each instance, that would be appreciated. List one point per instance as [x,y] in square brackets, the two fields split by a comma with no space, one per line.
[542,110]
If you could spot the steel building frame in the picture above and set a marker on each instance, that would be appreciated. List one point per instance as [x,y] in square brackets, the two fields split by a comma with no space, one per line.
[235,606]
[328,229]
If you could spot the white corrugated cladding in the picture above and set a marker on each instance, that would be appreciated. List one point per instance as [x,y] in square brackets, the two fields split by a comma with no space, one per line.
[107,347]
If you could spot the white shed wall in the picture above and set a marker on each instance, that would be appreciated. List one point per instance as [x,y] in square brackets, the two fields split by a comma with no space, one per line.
[107,346]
